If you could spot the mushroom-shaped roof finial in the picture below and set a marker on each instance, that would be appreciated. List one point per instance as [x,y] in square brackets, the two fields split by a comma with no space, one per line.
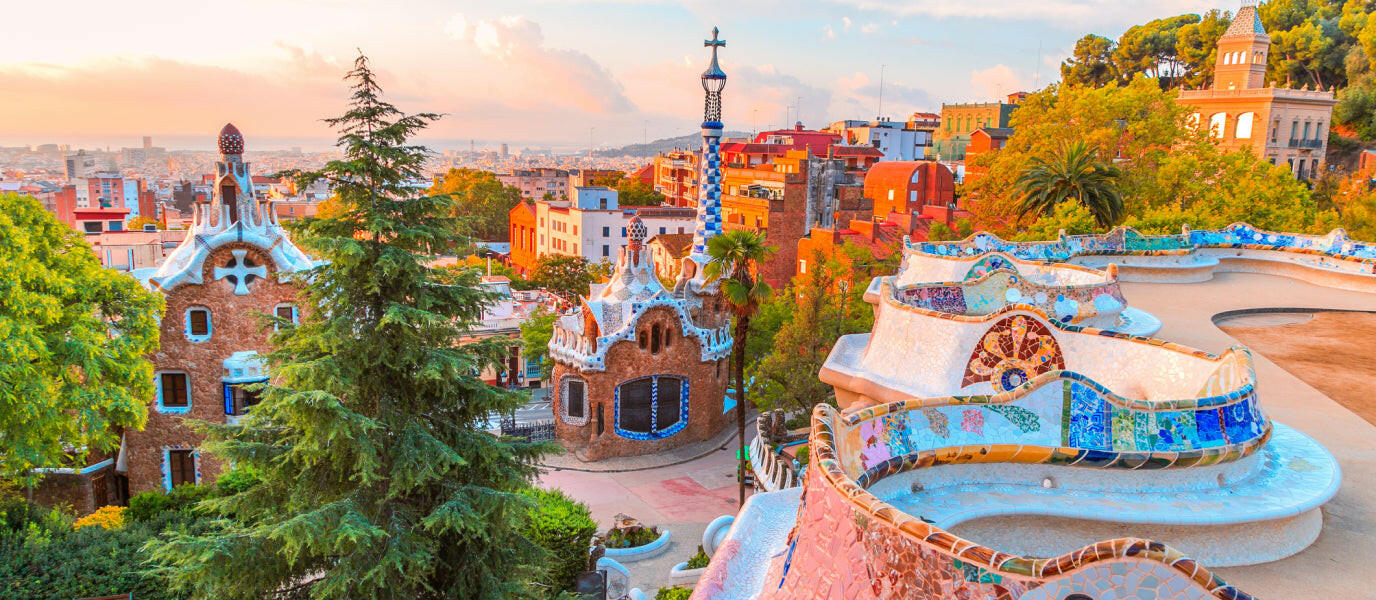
[231,141]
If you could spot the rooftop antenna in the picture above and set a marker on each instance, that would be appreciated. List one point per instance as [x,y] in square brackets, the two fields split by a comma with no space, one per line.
[880,117]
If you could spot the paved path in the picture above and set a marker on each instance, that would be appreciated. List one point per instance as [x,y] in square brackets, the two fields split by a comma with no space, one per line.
[1335,567]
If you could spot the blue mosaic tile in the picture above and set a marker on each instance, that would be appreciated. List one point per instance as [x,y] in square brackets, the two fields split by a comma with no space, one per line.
[1208,428]
[1089,419]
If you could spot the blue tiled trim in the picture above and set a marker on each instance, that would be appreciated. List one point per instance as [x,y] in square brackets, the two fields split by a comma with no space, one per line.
[209,324]
[655,433]
[157,394]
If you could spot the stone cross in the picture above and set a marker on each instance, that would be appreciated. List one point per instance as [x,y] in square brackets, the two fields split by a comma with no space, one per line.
[240,271]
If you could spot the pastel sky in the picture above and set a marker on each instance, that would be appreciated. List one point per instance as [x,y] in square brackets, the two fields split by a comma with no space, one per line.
[528,72]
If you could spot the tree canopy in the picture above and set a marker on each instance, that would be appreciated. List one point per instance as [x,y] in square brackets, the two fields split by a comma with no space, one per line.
[376,476]
[482,202]
[73,366]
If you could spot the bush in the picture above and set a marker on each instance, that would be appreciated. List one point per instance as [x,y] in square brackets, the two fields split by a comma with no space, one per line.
[236,480]
[699,560]
[108,517]
[563,528]
[673,593]
[802,456]
[631,538]
[182,498]
[42,556]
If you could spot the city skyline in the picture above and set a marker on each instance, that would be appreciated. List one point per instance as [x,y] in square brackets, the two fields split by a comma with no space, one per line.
[278,73]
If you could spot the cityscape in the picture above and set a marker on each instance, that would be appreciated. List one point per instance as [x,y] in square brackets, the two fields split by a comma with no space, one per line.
[681,301]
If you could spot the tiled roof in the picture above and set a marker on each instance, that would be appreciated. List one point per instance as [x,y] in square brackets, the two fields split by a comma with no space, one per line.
[997,133]
[839,151]
[1246,23]
[677,244]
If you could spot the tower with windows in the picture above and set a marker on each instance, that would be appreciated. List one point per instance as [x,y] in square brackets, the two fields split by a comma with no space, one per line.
[1283,122]
[235,267]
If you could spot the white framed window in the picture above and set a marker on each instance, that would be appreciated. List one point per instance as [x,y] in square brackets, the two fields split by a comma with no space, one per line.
[573,400]
[286,312]
[1218,124]
[172,392]
[198,324]
[1244,125]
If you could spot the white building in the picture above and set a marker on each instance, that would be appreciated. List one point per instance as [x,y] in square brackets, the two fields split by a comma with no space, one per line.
[593,226]
[896,139]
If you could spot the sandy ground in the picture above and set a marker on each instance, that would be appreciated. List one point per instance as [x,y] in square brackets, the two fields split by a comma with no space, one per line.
[1335,351]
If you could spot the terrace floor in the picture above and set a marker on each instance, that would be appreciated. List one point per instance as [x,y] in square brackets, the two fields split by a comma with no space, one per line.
[1334,567]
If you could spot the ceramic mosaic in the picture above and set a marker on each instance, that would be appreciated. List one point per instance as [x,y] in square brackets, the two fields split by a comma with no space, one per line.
[1123,240]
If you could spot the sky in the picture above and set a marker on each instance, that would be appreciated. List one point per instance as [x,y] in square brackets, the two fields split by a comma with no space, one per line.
[564,74]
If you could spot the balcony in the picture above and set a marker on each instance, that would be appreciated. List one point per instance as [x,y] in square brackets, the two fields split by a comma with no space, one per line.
[1306,143]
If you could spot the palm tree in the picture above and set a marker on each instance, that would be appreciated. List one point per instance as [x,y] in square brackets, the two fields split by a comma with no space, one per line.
[1074,173]
[733,257]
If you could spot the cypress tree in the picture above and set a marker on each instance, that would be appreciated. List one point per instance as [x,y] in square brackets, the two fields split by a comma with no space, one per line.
[375,477]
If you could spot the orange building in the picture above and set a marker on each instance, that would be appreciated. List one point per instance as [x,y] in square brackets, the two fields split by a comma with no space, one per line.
[983,141]
[521,220]
[1243,111]
[881,239]
[676,176]
[909,186]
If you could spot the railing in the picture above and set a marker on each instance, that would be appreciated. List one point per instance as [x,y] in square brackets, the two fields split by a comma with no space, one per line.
[539,431]
[1306,143]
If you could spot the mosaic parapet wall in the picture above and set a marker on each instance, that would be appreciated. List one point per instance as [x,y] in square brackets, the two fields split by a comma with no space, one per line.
[988,282]
[1325,260]
[849,544]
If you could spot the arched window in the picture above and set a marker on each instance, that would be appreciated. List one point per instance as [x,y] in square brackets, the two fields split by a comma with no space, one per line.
[651,407]
[1218,124]
[654,339]
[573,401]
[644,339]
[1244,125]
[198,325]
[668,333]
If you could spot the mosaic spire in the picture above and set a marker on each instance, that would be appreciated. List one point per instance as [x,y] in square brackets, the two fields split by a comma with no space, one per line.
[709,174]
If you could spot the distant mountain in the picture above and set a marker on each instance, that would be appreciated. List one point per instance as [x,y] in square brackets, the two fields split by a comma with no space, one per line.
[692,141]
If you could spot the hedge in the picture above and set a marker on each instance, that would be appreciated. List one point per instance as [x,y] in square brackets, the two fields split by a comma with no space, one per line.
[563,528]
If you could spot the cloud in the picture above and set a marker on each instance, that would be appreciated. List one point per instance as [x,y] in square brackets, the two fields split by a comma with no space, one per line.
[1062,12]
[553,73]
[996,82]
[857,96]
[828,34]
[869,28]
[846,24]
[117,95]
[457,27]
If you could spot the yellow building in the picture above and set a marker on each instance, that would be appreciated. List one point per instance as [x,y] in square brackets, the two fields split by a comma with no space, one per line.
[1242,110]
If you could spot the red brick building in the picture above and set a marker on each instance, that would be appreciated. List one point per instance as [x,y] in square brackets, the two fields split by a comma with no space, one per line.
[983,141]
[524,253]
[881,239]
[676,176]
[637,368]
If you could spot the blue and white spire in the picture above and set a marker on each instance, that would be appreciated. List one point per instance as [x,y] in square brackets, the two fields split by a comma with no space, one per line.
[709,174]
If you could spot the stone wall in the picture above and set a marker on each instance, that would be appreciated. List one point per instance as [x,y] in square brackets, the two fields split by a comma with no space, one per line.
[237,324]
[627,360]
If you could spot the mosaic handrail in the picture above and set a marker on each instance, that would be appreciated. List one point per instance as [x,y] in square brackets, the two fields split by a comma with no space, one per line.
[1125,240]
[990,566]
[989,292]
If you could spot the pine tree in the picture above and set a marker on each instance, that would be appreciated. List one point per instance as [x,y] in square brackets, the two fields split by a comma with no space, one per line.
[376,478]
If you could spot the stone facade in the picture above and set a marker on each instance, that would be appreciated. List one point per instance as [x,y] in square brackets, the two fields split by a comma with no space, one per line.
[595,436]
[237,325]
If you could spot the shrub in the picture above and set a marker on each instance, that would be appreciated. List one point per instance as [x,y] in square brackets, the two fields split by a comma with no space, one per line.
[631,538]
[236,480]
[802,456]
[673,593]
[108,517]
[182,498]
[44,557]
[563,528]
[699,560]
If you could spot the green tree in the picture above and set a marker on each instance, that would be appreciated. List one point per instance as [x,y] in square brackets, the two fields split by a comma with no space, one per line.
[824,303]
[1196,45]
[733,259]
[565,276]
[137,223]
[376,479]
[482,201]
[1150,49]
[1091,64]
[72,366]
[1074,173]
[535,335]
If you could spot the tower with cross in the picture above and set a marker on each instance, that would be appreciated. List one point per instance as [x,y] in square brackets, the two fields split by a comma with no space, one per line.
[709,177]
